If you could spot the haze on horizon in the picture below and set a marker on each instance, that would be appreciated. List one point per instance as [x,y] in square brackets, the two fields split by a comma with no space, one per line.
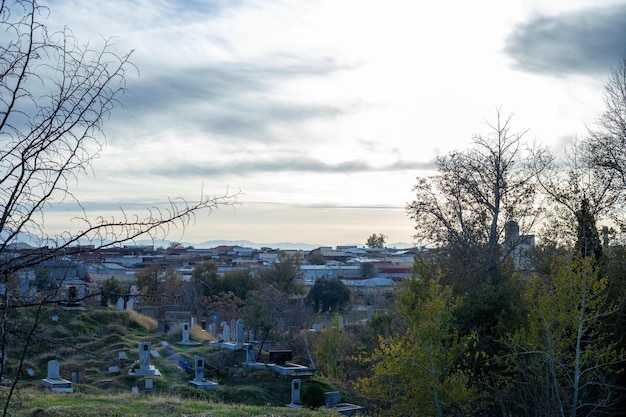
[323,113]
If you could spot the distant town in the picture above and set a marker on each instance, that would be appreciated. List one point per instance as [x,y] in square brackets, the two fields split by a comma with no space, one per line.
[84,269]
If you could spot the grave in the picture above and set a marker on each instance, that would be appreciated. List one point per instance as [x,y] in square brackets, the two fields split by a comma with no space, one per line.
[296,388]
[199,381]
[54,380]
[333,402]
[142,367]
[280,361]
[251,362]
[186,329]
[226,342]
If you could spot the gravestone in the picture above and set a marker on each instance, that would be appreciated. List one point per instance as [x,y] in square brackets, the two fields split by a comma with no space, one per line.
[296,386]
[279,357]
[74,377]
[226,333]
[134,390]
[55,319]
[144,356]
[333,398]
[185,332]
[199,368]
[54,380]
[211,328]
[199,381]
[317,327]
[121,355]
[114,369]
[144,362]
[251,335]
[250,353]
[239,332]
[130,304]
[341,322]
[149,383]
[53,369]
[120,303]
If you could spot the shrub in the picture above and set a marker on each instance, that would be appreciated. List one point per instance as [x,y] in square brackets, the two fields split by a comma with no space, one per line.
[313,396]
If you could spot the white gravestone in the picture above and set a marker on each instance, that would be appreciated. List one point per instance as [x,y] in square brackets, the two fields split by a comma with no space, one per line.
[199,366]
[53,369]
[144,356]
[250,353]
[296,388]
[185,331]
[239,332]
[226,333]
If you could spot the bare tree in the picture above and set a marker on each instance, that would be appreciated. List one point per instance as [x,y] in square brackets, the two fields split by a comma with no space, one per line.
[55,95]
[608,141]
[465,207]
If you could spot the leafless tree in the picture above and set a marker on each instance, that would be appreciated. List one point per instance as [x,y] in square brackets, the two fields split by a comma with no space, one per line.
[55,95]
[608,140]
[466,205]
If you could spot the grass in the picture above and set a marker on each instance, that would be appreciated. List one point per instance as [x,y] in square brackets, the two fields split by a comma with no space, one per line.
[79,404]
[88,343]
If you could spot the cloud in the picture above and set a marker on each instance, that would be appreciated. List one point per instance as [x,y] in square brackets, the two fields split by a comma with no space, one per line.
[240,100]
[586,41]
[295,163]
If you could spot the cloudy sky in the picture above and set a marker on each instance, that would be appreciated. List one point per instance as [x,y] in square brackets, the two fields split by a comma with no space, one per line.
[323,112]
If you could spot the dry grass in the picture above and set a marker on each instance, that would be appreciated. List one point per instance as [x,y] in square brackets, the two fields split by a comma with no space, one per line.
[146,322]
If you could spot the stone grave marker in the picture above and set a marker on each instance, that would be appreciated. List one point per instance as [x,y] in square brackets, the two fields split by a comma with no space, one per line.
[239,332]
[53,369]
[250,353]
[120,303]
[317,327]
[226,333]
[333,398]
[296,387]
[74,377]
[149,383]
[185,332]
[121,355]
[114,369]
[199,368]
[199,381]
[134,390]
[251,335]
[211,328]
[144,356]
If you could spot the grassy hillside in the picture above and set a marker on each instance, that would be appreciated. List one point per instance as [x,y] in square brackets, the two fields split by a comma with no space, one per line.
[88,343]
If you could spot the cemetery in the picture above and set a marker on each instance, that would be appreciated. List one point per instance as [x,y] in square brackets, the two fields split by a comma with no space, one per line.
[120,352]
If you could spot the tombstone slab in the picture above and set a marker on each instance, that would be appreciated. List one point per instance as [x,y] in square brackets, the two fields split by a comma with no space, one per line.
[199,381]
[144,367]
[54,380]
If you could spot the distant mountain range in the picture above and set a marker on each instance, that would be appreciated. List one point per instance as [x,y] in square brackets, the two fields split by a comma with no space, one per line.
[29,240]
[278,245]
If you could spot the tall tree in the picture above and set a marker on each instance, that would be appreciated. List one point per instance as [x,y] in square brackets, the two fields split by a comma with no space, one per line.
[607,141]
[376,240]
[55,94]
[565,358]
[465,207]
[417,369]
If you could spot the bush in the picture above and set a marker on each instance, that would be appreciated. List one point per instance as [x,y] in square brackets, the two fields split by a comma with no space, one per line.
[313,396]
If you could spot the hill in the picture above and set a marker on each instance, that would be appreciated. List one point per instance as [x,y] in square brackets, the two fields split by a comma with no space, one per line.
[87,345]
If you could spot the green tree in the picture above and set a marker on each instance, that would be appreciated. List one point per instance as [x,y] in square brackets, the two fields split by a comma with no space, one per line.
[416,370]
[376,240]
[328,295]
[285,274]
[240,283]
[331,348]
[263,311]
[367,270]
[206,280]
[563,360]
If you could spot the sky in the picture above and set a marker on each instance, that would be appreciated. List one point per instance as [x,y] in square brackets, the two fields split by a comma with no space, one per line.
[321,113]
